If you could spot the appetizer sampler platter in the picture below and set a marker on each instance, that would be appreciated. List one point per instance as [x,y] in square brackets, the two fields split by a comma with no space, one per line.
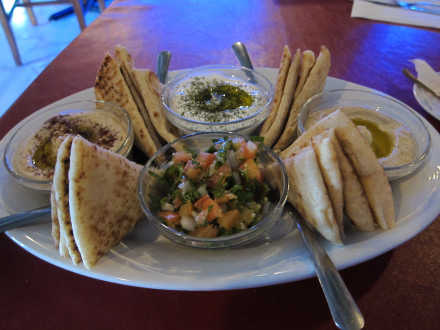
[146,259]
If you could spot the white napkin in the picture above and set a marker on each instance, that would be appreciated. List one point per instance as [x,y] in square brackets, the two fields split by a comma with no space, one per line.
[427,75]
[398,15]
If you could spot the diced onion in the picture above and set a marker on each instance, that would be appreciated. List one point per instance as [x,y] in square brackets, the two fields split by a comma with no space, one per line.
[202,190]
[236,177]
[251,146]
[232,159]
[184,186]
[188,223]
[167,207]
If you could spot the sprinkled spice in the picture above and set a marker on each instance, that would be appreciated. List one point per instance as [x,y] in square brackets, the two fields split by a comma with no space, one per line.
[212,100]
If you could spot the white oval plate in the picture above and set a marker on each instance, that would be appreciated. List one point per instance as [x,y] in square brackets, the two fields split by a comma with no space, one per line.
[427,101]
[145,259]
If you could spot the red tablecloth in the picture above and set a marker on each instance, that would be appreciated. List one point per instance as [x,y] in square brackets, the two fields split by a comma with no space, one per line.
[397,290]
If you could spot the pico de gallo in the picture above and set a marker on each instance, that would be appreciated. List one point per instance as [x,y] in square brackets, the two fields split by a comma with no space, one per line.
[216,192]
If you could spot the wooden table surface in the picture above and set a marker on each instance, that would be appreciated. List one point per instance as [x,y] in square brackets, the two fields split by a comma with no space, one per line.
[397,290]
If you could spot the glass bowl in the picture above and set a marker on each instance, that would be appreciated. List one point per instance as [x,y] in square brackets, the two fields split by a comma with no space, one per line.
[377,104]
[104,121]
[275,176]
[188,117]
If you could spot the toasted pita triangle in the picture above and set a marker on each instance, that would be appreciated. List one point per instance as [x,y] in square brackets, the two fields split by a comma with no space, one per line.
[368,169]
[103,199]
[126,64]
[309,195]
[110,86]
[314,84]
[277,127]
[307,62]
[149,86]
[54,217]
[61,187]
[286,59]
[323,145]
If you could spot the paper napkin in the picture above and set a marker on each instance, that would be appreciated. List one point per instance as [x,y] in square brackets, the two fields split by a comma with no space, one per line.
[427,75]
[364,9]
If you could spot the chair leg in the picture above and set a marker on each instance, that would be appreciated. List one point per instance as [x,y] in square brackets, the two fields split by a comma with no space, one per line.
[4,19]
[30,13]
[101,4]
[77,7]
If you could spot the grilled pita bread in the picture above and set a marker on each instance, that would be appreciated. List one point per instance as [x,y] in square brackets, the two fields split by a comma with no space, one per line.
[314,84]
[274,131]
[323,145]
[102,202]
[149,86]
[307,62]
[309,195]
[368,169]
[55,220]
[110,86]
[286,59]
[61,185]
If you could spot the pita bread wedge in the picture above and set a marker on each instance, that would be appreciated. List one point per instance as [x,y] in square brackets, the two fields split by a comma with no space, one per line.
[356,206]
[309,195]
[55,220]
[149,86]
[103,199]
[307,62]
[329,164]
[367,167]
[272,134]
[110,86]
[314,84]
[286,59]
[61,187]
[126,64]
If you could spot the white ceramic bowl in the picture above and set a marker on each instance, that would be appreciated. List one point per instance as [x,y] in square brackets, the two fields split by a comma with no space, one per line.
[383,104]
[149,185]
[16,146]
[247,79]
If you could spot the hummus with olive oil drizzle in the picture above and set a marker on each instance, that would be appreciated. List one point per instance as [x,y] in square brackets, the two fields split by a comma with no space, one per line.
[392,142]
[36,157]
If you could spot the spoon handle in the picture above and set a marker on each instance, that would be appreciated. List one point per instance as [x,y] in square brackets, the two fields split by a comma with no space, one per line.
[163,62]
[414,79]
[343,308]
[242,55]
[19,219]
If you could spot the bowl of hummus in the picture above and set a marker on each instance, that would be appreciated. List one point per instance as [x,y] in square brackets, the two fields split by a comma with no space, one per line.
[217,99]
[30,155]
[395,132]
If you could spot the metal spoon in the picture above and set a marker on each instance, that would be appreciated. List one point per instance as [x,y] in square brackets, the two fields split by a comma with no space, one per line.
[414,79]
[19,219]
[343,308]
[242,55]
[163,62]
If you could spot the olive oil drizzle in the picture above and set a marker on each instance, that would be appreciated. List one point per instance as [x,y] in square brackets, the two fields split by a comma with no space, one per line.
[382,142]
[216,101]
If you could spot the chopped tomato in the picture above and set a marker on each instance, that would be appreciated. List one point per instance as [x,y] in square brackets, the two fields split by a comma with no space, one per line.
[181,157]
[192,170]
[226,198]
[186,209]
[251,169]
[222,173]
[214,210]
[205,231]
[229,219]
[172,219]
[199,203]
[247,150]
[205,159]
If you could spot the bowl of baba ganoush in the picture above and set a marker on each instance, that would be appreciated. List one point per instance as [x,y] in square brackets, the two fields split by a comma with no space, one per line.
[397,135]
[30,155]
[217,99]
